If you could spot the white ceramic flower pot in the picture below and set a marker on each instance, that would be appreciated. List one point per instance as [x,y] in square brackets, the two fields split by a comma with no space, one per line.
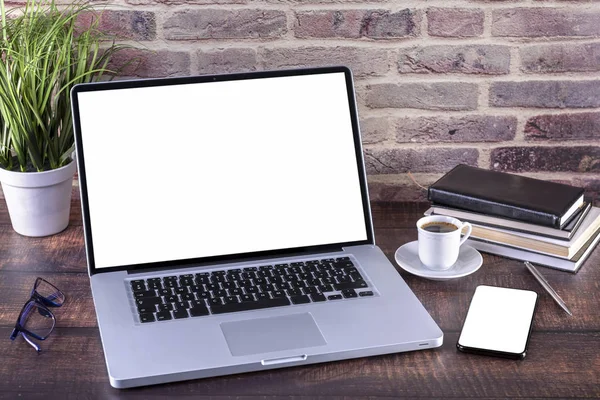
[38,203]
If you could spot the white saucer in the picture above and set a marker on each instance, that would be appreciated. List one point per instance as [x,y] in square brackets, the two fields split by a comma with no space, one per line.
[469,261]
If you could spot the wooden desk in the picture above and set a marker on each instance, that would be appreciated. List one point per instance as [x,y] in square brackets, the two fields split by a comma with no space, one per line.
[563,359]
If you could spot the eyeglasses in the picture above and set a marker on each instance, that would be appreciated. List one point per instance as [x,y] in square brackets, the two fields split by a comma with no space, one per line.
[36,320]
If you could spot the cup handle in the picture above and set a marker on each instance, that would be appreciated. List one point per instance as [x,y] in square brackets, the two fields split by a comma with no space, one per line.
[466,235]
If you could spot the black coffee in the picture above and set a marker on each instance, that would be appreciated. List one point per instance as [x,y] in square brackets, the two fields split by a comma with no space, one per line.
[439,227]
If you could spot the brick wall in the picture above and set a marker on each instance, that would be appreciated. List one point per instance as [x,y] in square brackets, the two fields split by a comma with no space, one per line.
[507,85]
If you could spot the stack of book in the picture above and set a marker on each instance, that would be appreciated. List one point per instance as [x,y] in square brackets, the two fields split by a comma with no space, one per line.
[522,218]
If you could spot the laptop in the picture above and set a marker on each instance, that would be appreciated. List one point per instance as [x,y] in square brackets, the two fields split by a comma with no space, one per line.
[228,228]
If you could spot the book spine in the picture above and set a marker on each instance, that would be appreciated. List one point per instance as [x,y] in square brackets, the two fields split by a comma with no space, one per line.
[488,207]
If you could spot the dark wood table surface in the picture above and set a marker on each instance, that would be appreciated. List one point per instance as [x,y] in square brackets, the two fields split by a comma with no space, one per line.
[563,359]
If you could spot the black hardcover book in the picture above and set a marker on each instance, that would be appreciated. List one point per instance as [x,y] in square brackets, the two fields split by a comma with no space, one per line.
[507,195]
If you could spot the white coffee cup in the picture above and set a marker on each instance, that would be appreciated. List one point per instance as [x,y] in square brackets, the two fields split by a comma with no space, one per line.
[438,250]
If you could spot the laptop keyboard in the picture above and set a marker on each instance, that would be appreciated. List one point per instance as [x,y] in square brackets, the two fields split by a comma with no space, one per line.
[244,289]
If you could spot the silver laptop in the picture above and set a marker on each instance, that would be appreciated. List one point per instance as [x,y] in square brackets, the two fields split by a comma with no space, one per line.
[228,229]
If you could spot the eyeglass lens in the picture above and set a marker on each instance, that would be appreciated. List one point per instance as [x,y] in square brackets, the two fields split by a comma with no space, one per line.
[49,292]
[37,319]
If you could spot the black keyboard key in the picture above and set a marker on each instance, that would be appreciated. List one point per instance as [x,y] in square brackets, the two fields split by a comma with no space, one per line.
[278,266]
[231,300]
[165,292]
[138,282]
[251,289]
[196,288]
[250,269]
[342,259]
[293,292]
[367,293]
[328,281]
[181,290]
[317,297]
[198,303]
[140,287]
[351,285]
[278,293]
[172,298]
[199,311]
[265,267]
[247,297]
[150,301]
[155,285]
[235,291]
[310,290]
[169,278]
[250,305]
[180,313]
[218,273]
[213,286]
[203,295]
[146,309]
[234,271]
[202,280]
[343,279]
[170,284]
[228,285]
[349,293]
[186,276]
[215,302]
[219,293]
[182,305]
[186,282]
[166,307]
[262,296]
[300,299]
[327,260]
[325,288]
[147,317]
[163,316]
[145,294]
[335,297]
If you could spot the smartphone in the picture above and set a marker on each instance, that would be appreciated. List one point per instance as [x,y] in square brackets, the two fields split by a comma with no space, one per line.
[498,322]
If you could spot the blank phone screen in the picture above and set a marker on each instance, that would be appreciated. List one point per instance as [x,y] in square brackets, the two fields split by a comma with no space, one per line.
[499,319]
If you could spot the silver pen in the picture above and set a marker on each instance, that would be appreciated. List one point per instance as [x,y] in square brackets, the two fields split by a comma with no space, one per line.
[537,275]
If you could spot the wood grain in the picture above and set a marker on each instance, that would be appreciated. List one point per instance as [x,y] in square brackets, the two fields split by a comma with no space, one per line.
[563,359]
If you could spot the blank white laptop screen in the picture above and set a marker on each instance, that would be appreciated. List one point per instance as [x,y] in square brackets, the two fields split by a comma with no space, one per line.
[206,169]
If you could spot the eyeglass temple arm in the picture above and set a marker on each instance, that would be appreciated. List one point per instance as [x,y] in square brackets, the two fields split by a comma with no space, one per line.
[35,346]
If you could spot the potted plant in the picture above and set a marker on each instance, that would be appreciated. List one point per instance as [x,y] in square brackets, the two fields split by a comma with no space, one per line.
[44,51]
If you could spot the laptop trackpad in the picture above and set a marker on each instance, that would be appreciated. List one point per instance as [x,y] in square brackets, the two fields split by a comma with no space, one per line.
[265,335]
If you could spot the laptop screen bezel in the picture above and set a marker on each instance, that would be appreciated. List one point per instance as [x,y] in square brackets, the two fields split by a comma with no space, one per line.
[182,263]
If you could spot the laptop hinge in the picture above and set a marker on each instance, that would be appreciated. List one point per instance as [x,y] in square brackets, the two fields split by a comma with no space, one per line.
[213,263]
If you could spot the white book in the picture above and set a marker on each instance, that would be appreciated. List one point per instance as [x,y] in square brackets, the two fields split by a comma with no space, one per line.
[571,265]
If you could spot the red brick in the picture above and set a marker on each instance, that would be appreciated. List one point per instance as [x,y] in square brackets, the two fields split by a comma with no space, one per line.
[563,127]
[470,59]
[538,22]
[469,128]
[431,96]
[570,57]
[401,160]
[374,130]
[123,24]
[455,22]
[546,94]
[374,24]
[220,61]
[150,64]
[363,61]
[194,24]
[554,159]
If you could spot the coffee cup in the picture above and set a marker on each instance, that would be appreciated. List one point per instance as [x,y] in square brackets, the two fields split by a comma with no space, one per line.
[440,240]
